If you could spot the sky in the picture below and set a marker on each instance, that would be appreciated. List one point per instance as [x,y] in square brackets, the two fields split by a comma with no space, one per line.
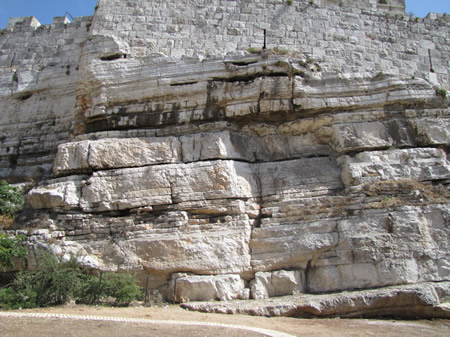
[45,10]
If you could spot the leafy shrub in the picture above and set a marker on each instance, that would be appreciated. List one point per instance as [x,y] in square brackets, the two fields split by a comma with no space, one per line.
[122,288]
[10,199]
[10,299]
[90,290]
[11,248]
[56,281]
[119,287]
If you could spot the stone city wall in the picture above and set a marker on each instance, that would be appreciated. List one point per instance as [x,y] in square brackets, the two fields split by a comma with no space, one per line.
[40,62]
[38,80]
[355,38]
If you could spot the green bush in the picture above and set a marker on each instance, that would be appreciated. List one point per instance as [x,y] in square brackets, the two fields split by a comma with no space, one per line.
[55,281]
[119,287]
[122,288]
[10,199]
[11,248]
[10,299]
[90,289]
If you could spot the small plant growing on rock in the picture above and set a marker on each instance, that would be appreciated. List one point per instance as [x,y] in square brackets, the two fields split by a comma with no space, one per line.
[10,202]
[11,249]
[289,2]
[15,78]
[280,51]
[441,92]
[253,50]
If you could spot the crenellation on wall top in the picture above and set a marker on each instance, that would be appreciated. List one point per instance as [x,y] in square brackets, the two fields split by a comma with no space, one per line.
[61,19]
[23,21]
[395,6]
[30,22]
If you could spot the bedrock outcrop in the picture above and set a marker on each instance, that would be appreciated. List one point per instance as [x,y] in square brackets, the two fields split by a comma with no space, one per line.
[427,300]
[219,172]
[280,196]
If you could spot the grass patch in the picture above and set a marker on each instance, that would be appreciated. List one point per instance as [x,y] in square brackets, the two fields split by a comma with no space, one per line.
[280,51]
[253,50]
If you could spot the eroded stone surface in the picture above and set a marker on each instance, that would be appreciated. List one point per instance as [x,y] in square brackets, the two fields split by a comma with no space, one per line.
[204,288]
[422,300]
[277,283]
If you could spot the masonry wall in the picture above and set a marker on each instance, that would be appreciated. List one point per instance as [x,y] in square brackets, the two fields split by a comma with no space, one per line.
[38,80]
[39,64]
[344,39]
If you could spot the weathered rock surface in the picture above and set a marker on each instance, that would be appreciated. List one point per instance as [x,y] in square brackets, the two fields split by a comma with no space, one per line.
[416,164]
[204,288]
[277,283]
[422,300]
[115,153]
[173,148]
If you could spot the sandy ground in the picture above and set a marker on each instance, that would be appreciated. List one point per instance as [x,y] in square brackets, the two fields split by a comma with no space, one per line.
[298,327]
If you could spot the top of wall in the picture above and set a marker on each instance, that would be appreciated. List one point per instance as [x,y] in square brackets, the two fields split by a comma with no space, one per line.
[30,22]
[396,6]
[345,36]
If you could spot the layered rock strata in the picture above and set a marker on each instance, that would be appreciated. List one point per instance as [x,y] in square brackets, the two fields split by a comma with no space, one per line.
[251,175]
[354,195]
[426,300]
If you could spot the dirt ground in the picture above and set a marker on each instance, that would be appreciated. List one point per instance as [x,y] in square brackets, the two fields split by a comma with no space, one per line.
[52,327]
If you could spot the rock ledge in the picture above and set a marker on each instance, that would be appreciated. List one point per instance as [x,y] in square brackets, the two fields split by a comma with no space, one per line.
[425,300]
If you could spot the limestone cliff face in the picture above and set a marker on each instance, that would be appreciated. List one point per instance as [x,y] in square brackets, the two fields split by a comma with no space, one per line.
[240,175]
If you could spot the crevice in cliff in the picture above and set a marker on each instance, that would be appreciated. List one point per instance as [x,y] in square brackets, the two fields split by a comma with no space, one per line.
[182,83]
[172,194]
[113,57]
[259,198]
[24,96]
[248,77]
[354,152]
[307,270]
[243,63]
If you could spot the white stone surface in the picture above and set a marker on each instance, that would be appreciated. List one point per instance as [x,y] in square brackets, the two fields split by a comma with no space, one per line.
[277,283]
[414,164]
[206,288]
[115,153]
[60,193]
